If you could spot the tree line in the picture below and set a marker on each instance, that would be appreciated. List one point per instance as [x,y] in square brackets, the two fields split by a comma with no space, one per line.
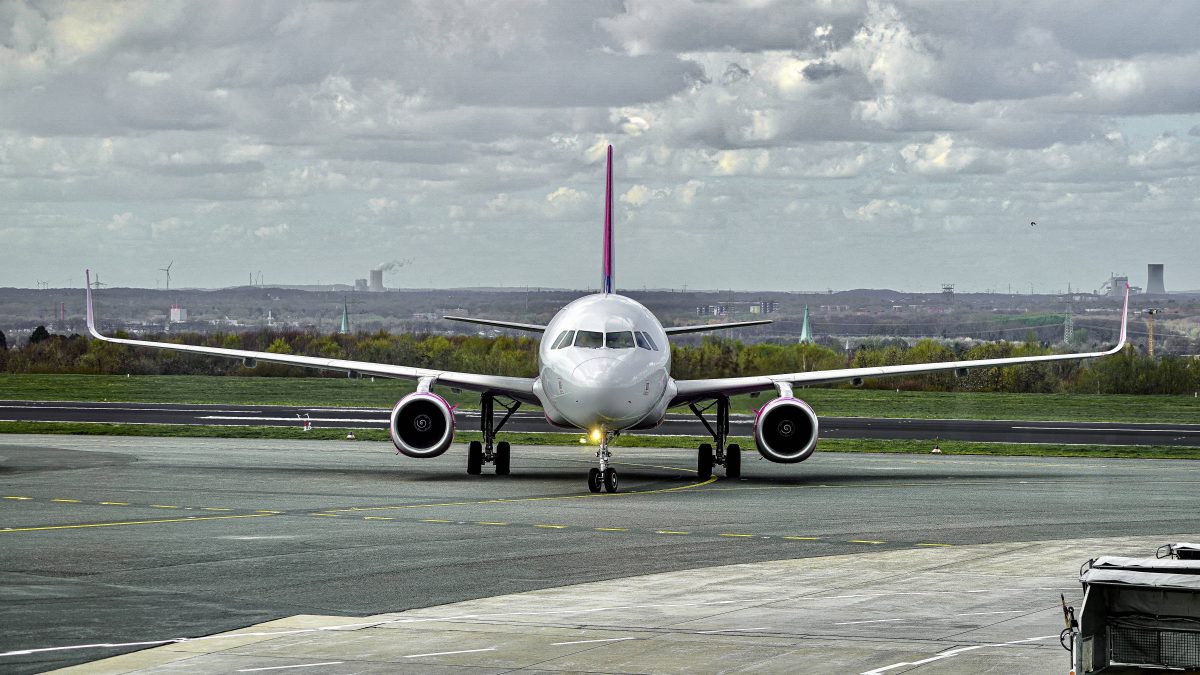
[1126,373]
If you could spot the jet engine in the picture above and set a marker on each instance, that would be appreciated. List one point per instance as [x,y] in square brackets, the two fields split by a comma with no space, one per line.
[785,430]
[422,425]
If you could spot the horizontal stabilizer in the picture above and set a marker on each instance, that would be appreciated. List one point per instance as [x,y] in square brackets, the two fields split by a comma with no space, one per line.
[676,330]
[532,327]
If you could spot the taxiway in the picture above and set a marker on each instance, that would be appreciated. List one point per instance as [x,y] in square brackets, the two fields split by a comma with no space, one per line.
[123,541]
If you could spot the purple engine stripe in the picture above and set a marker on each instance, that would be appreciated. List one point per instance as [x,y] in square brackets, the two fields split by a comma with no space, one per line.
[607,281]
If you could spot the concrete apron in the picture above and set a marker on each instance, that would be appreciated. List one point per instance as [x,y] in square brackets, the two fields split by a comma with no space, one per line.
[985,608]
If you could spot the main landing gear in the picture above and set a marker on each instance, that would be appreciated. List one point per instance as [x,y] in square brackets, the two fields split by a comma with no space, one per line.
[479,453]
[729,456]
[605,476]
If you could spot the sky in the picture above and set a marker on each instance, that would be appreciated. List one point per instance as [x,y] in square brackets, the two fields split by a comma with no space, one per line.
[759,145]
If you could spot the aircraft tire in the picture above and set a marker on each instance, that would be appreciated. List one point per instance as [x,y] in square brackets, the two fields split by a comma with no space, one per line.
[594,479]
[503,454]
[733,461]
[475,458]
[704,461]
[610,480]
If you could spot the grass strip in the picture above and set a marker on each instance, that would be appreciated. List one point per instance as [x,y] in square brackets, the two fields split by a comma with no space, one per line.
[912,447]
[381,393]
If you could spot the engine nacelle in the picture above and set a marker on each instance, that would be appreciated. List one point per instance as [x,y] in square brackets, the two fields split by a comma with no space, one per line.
[785,430]
[422,425]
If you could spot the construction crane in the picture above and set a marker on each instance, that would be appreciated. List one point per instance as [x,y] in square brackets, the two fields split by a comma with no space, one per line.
[1150,312]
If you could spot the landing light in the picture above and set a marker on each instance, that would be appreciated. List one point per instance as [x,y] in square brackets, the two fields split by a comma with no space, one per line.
[595,435]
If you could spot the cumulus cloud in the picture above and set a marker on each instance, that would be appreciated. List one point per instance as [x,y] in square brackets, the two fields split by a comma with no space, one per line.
[429,124]
[272,231]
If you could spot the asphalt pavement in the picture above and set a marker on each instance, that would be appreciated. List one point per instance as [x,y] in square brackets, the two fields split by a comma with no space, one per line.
[682,424]
[129,541]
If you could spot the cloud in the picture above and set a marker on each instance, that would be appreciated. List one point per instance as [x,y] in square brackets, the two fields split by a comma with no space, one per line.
[272,231]
[429,126]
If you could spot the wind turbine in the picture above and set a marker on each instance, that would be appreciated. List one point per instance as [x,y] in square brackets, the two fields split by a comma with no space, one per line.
[167,269]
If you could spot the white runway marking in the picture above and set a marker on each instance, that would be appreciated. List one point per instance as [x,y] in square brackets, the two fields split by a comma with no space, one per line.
[584,642]
[381,420]
[355,626]
[110,407]
[301,665]
[952,653]
[463,651]
[1119,429]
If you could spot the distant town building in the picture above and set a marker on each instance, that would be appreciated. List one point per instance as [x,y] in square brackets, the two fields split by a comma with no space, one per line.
[178,314]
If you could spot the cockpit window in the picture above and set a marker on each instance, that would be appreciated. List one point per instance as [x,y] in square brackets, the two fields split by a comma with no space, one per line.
[640,337]
[619,340]
[589,339]
[564,339]
[649,344]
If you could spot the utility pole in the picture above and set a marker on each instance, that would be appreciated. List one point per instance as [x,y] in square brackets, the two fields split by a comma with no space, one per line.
[1069,323]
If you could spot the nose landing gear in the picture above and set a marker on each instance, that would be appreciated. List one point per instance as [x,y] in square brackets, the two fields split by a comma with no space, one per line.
[729,456]
[605,476]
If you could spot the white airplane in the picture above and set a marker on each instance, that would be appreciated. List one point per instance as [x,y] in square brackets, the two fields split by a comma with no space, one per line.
[604,367]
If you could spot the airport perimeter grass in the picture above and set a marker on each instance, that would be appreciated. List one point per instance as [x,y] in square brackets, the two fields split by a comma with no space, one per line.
[684,442]
[380,393]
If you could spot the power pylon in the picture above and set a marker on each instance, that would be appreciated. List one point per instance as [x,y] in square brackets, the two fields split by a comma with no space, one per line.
[1150,328]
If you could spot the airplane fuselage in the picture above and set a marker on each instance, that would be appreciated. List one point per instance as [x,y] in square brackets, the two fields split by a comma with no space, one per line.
[604,364]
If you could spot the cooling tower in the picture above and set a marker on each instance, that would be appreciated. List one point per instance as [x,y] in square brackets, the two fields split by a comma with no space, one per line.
[1154,284]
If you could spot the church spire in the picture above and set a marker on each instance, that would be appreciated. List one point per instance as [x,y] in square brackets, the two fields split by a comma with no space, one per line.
[806,330]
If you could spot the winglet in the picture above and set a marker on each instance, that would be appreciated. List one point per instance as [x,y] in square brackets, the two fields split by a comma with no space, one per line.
[606,282]
[91,314]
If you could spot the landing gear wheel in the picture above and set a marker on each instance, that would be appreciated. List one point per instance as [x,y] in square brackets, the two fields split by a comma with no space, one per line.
[610,480]
[733,461]
[502,457]
[704,461]
[594,479]
[474,458]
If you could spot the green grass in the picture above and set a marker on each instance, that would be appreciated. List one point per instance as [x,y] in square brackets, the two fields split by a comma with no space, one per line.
[313,391]
[539,439]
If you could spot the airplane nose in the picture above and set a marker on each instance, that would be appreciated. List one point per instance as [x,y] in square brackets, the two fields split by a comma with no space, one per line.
[593,372]
[595,389]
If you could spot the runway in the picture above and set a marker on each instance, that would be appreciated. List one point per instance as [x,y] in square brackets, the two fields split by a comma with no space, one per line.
[133,540]
[682,424]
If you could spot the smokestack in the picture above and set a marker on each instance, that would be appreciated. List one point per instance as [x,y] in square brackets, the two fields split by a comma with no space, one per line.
[1154,283]
[376,283]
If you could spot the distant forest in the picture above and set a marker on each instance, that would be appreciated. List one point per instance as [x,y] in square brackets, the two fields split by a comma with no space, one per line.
[1125,373]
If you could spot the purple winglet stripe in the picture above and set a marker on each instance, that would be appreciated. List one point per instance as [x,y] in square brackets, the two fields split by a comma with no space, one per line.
[607,281]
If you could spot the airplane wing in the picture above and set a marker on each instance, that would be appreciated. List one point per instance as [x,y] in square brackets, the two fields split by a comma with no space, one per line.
[678,330]
[532,327]
[695,390]
[518,388]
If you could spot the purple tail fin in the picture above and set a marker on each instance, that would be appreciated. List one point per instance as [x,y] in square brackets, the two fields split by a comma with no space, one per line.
[606,283]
